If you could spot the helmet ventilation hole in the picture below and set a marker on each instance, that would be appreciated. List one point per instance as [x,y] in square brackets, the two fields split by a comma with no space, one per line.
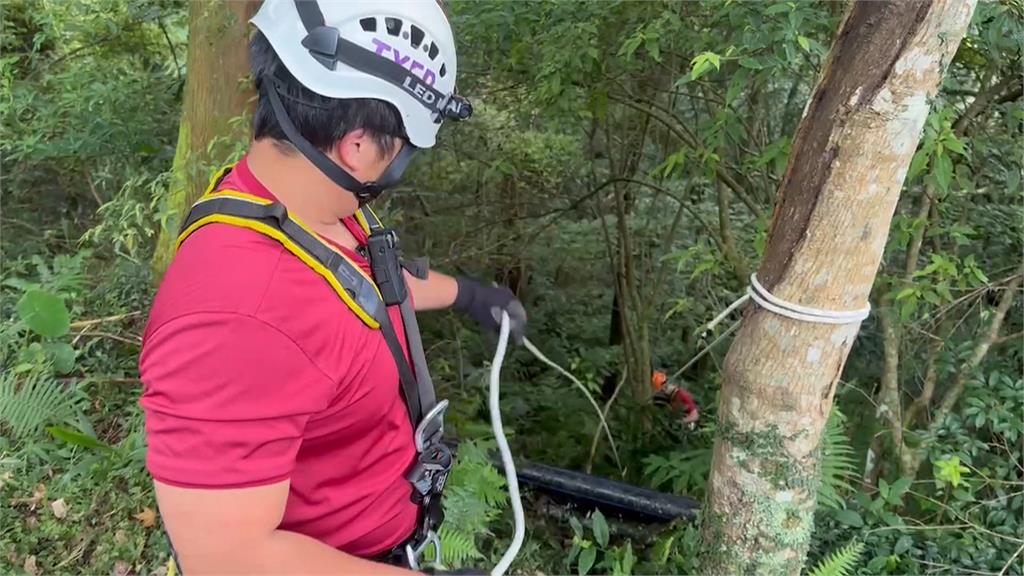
[394,26]
[417,36]
[369,24]
[433,51]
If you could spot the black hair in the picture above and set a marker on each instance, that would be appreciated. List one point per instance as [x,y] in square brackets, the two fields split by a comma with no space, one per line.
[319,119]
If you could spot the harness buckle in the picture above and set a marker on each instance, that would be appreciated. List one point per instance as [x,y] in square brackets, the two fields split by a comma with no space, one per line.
[383,248]
[414,551]
[434,459]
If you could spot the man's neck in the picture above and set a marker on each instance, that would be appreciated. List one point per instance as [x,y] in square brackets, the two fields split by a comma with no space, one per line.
[302,188]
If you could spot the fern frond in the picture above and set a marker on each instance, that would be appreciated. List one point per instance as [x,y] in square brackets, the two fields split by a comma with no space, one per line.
[838,464]
[457,547]
[841,562]
[30,403]
[473,498]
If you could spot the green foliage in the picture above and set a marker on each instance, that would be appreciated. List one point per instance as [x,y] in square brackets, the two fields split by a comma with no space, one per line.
[130,221]
[950,471]
[592,543]
[842,562]
[580,101]
[30,401]
[702,64]
[684,473]
[838,463]
[474,497]
[44,313]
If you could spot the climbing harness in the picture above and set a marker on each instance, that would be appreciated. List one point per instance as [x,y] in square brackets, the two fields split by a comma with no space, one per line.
[369,299]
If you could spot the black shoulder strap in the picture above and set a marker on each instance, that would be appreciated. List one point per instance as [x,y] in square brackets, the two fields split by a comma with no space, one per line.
[355,289]
[424,384]
[410,387]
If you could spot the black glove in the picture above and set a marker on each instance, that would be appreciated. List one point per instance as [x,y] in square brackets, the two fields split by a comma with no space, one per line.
[485,304]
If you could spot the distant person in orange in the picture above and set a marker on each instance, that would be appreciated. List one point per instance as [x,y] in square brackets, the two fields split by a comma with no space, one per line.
[675,396]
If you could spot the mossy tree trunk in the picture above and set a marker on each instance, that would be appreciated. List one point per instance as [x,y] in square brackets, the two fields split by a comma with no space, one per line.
[835,204]
[216,93]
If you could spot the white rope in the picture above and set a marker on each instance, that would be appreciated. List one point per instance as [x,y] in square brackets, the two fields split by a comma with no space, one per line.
[769,301]
[765,299]
[506,454]
[756,292]
[600,414]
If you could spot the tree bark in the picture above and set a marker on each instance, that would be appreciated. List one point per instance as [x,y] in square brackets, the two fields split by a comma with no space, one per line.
[836,201]
[216,92]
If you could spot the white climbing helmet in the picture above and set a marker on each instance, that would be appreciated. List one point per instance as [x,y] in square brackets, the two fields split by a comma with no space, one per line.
[399,51]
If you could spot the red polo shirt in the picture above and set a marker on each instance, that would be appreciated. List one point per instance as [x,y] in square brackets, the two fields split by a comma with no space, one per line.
[255,372]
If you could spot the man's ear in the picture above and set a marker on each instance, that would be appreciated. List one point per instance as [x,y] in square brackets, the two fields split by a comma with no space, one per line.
[351,151]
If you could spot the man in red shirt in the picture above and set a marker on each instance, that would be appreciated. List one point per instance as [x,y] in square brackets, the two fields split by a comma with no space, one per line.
[279,440]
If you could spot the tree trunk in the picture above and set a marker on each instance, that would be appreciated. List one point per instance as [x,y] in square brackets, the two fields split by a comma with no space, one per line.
[836,200]
[216,92]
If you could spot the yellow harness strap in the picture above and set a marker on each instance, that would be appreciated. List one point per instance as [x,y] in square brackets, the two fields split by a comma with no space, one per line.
[346,278]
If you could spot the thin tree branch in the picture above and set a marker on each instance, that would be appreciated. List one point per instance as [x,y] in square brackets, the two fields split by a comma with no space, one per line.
[604,413]
[1005,88]
[690,140]
[114,318]
[134,341]
[170,46]
[931,376]
[980,350]
[735,258]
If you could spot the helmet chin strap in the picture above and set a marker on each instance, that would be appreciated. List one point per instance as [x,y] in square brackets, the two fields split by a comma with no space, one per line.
[365,192]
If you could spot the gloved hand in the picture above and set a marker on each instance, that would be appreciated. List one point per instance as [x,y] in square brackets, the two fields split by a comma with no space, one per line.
[485,304]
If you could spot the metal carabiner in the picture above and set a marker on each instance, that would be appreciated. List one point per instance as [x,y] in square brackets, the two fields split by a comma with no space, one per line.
[430,427]
[413,555]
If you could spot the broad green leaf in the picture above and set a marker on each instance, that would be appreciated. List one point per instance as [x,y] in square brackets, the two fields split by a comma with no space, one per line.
[950,471]
[77,438]
[44,313]
[943,171]
[674,161]
[804,43]
[587,558]
[963,495]
[883,488]
[778,8]
[903,544]
[901,486]
[908,308]
[62,355]
[906,293]
[876,564]
[954,144]
[750,63]
[628,560]
[918,164]
[702,64]
[600,526]
[653,47]
[577,528]
[850,518]
[892,519]
[630,45]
